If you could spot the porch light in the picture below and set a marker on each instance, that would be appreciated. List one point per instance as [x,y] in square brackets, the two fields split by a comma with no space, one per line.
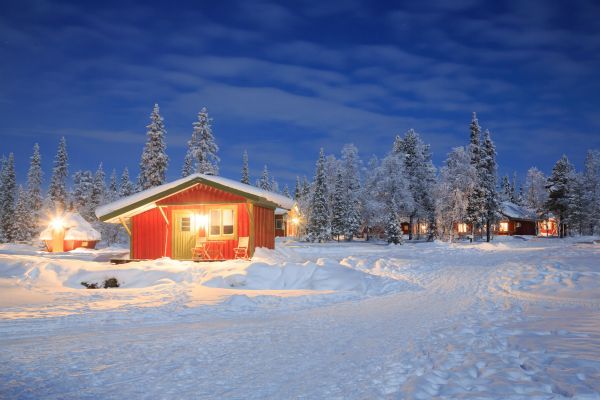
[57,224]
[201,221]
[295,220]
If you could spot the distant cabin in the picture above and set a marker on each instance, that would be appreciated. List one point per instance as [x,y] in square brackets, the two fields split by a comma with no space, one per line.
[69,231]
[166,220]
[516,220]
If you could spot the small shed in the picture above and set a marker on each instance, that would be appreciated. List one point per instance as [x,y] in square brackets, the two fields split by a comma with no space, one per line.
[168,220]
[68,232]
[516,220]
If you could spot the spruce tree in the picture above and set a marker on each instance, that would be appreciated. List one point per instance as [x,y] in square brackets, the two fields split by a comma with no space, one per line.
[350,172]
[202,148]
[297,189]
[558,186]
[82,193]
[245,169]
[188,165]
[154,161]
[393,231]
[286,191]
[265,182]
[476,204]
[339,210]
[319,229]
[591,179]
[112,192]
[34,192]
[8,194]
[505,189]
[489,177]
[98,189]
[58,183]
[126,187]
[274,185]
[22,217]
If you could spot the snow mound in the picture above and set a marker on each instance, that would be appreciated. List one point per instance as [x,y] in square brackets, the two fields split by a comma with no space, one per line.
[322,275]
[76,228]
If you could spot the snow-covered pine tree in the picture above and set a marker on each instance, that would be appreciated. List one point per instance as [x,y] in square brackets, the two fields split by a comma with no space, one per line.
[393,231]
[112,193]
[98,191]
[476,204]
[81,195]
[319,229]
[202,148]
[297,189]
[126,187]
[489,177]
[393,191]
[420,174]
[505,189]
[34,192]
[286,191]
[58,183]
[188,165]
[535,190]
[22,217]
[111,233]
[591,179]
[265,182]
[154,161]
[339,212]
[8,184]
[456,181]
[350,171]
[576,218]
[245,169]
[514,195]
[559,187]
[372,212]
[274,185]
[332,166]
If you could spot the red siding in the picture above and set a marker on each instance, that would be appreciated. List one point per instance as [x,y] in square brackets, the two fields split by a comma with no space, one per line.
[200,193]
[69,245]
[149,232]
[264,227]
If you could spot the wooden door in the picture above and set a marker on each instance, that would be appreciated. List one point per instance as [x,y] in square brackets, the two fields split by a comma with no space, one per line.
[184,235]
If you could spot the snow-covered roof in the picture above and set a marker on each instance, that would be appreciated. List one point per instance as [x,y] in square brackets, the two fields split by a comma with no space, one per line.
[146,199]
[515,211]
[76,228]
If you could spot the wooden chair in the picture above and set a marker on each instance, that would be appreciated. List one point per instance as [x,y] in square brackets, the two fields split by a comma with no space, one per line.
[200,251]
[241,251]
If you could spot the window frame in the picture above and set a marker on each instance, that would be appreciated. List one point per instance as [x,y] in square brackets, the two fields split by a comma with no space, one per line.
[221,235]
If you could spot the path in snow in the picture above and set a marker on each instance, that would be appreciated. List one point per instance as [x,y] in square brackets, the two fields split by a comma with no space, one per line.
[505,321]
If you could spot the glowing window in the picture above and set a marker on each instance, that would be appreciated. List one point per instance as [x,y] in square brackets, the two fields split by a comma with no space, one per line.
[503,226]
[462,228]
[222,222]
[228,222]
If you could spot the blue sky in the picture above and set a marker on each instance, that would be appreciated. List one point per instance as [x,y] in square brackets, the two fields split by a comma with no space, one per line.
[283,79]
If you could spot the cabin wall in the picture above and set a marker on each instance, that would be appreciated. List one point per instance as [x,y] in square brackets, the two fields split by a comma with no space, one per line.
[148,235]
[264,227]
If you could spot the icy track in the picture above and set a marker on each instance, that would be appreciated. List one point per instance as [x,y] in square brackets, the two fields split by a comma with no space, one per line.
[517,319]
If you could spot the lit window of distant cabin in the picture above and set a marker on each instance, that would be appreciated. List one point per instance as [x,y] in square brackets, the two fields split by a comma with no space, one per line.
[462,228]
[185,224]
[222,222]
[279,224]
[503,226]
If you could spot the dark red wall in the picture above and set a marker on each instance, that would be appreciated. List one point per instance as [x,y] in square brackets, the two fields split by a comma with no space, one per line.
[264,227]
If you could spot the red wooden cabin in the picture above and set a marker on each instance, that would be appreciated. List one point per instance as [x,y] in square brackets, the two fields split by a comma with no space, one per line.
[165,221]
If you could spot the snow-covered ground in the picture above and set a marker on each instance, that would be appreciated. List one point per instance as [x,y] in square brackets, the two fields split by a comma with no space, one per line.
[513,319]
